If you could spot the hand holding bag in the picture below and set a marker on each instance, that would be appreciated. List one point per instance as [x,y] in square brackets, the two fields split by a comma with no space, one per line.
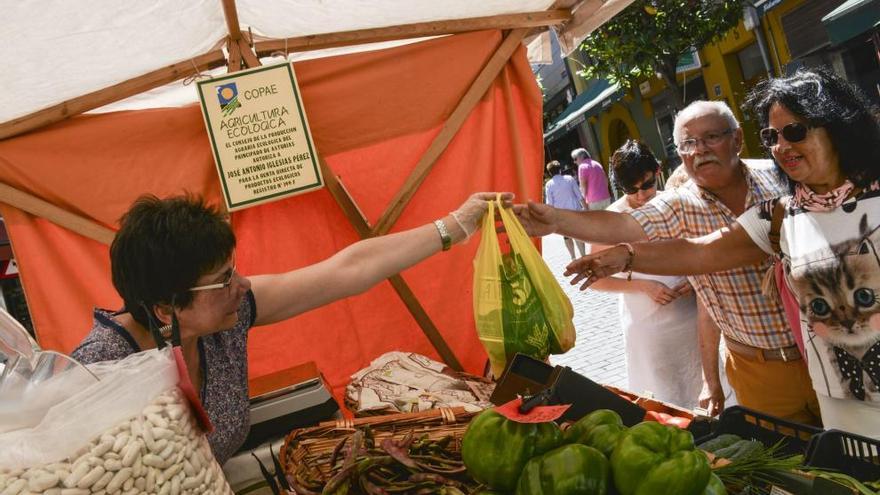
[518,304]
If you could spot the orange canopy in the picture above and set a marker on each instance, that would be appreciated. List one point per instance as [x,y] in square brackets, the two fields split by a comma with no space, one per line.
[372,116]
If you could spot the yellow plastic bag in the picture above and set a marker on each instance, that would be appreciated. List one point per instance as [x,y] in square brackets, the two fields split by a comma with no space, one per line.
[518,305]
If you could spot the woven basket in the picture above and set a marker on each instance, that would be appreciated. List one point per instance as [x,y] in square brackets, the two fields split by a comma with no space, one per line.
[307,451]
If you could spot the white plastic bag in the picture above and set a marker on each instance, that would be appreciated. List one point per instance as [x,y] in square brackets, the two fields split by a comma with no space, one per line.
[132,432]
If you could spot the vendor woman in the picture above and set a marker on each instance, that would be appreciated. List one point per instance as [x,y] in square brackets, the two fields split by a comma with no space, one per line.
[173,264]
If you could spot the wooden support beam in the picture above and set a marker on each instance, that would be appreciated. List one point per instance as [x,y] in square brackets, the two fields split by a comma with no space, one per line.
[470,99]
[38,207]
[111,94]
[406,31]
[213,59]
[247,54]
[362,226]
[231,15]
[233,61]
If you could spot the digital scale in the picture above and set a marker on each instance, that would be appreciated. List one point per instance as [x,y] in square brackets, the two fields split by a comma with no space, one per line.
[281,402]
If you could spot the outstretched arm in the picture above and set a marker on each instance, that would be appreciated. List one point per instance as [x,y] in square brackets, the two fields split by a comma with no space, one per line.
[721,250]
[360,266]
[606,227]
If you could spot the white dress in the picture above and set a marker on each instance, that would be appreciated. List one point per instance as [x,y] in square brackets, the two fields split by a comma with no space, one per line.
[661,341]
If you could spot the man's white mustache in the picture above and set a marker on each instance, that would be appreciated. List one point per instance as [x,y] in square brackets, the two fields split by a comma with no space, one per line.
[699,160]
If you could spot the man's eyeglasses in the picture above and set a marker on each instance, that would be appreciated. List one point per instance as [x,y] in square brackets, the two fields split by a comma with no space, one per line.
[793,133]
[688,146]
[648,184]
[227,281]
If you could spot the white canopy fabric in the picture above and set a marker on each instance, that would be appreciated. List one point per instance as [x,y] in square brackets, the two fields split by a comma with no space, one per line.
[61,49]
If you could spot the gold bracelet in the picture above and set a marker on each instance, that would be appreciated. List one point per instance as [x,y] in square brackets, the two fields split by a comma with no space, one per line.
[629,262]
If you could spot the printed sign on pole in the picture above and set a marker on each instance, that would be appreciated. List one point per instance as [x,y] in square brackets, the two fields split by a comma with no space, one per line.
[259,135]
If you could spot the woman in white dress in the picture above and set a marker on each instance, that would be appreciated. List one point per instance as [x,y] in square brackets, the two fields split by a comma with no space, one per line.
[658,314]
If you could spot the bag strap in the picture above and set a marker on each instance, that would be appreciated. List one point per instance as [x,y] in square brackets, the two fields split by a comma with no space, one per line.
[776,217]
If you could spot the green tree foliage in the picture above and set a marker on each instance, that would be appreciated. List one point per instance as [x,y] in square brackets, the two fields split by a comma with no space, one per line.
[650,36]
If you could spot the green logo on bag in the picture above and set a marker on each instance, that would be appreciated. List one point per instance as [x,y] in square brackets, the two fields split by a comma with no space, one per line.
[526,328]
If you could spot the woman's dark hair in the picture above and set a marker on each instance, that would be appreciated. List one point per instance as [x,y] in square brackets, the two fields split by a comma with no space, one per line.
[554,167]
[162,248]
[826,100]
[631,162]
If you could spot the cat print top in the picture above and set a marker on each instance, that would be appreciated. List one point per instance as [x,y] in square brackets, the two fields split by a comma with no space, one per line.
[832,261]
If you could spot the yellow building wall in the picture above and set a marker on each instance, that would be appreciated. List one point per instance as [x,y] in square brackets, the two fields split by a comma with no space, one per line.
[721,68]
[613,124]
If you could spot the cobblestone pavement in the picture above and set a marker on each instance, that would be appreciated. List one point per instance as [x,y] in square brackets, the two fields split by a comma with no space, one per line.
[598,351]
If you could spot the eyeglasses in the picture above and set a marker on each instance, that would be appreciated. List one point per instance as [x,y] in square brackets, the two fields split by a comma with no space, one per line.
[648,184]
[230,274]
[793,133]
[688,146]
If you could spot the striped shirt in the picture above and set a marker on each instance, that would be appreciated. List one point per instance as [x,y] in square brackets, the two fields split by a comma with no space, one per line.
[733,297]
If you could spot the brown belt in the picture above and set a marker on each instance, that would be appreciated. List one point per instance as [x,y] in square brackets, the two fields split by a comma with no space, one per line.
[790,353]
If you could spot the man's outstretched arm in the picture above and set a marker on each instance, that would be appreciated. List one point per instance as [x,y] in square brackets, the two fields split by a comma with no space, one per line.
[606,227]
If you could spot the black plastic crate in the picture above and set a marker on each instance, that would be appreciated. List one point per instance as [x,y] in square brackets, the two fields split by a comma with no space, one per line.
[753,425]
[848,453]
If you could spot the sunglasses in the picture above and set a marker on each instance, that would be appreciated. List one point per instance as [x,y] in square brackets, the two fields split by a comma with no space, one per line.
[227,281]
[793,133]
[648,184]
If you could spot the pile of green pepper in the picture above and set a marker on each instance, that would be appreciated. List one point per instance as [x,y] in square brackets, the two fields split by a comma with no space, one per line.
[594,454]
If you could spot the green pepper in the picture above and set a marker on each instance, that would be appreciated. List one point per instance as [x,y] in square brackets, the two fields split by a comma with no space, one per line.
[495,449]
[573,469]
[652,458]
[715,486]
[577,433]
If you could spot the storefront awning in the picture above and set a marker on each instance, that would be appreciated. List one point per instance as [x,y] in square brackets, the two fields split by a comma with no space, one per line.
[851,19]
[585,105]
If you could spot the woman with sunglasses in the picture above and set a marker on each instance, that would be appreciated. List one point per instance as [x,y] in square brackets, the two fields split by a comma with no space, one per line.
[822,133]
[173,264]
[657,313]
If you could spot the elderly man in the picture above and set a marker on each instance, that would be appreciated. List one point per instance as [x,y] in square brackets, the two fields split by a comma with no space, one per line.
[763,364]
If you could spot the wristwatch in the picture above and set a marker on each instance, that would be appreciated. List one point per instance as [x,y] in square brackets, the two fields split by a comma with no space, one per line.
[445,238]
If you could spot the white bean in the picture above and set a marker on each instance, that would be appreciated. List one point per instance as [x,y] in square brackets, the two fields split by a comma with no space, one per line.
[151,479]
[112,464]
[118,479]
[79,471]
[53,491]
[121,441]
[175,486]
[42,482]
[129,483]
[74,491]
[91,477]
[15,487]
[169,449]
[166,489]
[131,452]
[157,420]
[105,479]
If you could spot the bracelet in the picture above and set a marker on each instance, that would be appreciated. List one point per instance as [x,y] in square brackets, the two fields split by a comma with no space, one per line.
[629,261]
[445,238]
